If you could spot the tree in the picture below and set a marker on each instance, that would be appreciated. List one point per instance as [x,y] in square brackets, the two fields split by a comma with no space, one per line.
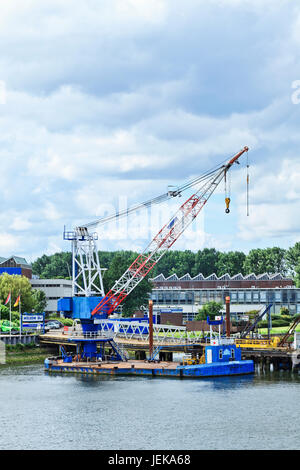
[40,264]
[268,260]
[40,300]
[175,262]
[140,295]
[293,262]
[55,266]
[251,314]
[284,311]
[210,309]
[4,312]
[231,263]
[206,262]
[17,284]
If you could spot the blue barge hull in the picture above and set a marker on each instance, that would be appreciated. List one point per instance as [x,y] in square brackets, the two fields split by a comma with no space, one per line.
[160,370]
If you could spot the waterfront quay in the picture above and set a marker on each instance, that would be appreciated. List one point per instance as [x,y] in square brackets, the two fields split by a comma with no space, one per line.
[277,358]
[17,339]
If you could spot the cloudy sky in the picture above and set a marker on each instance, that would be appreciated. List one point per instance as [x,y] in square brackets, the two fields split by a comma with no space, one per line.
[105,103]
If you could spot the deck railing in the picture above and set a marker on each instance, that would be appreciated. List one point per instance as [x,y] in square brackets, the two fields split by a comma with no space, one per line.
[161,333]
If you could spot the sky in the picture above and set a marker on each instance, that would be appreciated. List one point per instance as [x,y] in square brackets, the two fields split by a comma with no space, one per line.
[105,103]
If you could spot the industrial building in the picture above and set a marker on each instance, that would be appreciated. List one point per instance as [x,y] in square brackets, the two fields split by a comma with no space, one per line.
[187,294]
[15,265]
[54,289]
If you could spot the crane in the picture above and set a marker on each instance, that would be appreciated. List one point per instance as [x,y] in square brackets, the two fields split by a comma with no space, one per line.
[86,269]
[165,239]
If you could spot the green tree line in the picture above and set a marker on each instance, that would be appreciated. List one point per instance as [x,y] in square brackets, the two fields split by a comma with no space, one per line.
[206,261]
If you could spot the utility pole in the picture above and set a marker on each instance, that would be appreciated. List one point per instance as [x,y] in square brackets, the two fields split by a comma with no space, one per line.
[151,328]
[227,302]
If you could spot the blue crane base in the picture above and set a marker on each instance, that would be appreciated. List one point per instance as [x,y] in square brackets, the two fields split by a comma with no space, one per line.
[79,307]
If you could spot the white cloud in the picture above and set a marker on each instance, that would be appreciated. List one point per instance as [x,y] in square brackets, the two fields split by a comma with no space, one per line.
[20,224]
[274,204]
[123,97]
[270,221]
[9,243]
[147,11]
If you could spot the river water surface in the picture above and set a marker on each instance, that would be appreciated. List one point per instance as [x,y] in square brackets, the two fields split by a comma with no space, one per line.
[41,411]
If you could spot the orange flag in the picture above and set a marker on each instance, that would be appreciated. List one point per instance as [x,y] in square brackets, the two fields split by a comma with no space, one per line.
[17,301]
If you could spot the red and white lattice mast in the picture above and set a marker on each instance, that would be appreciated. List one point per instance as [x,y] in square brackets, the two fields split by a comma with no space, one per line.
[163,241]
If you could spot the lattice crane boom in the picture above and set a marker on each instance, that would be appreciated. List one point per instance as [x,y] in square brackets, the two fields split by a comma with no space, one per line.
[163,241]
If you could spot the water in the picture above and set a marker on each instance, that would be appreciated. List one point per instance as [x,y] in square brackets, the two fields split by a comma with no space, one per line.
[40,411]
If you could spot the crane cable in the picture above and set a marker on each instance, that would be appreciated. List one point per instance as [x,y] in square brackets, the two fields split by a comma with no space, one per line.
[247,185]
[159,199]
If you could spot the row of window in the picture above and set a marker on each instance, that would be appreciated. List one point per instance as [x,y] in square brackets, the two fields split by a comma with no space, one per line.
[189,297]
[37,286]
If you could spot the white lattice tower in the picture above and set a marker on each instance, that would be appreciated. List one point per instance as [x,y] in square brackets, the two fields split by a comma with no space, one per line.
[86,270]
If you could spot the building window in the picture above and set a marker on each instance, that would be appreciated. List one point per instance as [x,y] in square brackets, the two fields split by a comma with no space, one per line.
[278,296]
[271,296]
[263,296]
[241,296]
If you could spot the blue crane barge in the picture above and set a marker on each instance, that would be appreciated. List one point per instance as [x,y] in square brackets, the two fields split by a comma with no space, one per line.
[221,358]
[90,305]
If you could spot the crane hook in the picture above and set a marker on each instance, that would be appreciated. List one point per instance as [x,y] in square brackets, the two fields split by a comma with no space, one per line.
[227,202]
